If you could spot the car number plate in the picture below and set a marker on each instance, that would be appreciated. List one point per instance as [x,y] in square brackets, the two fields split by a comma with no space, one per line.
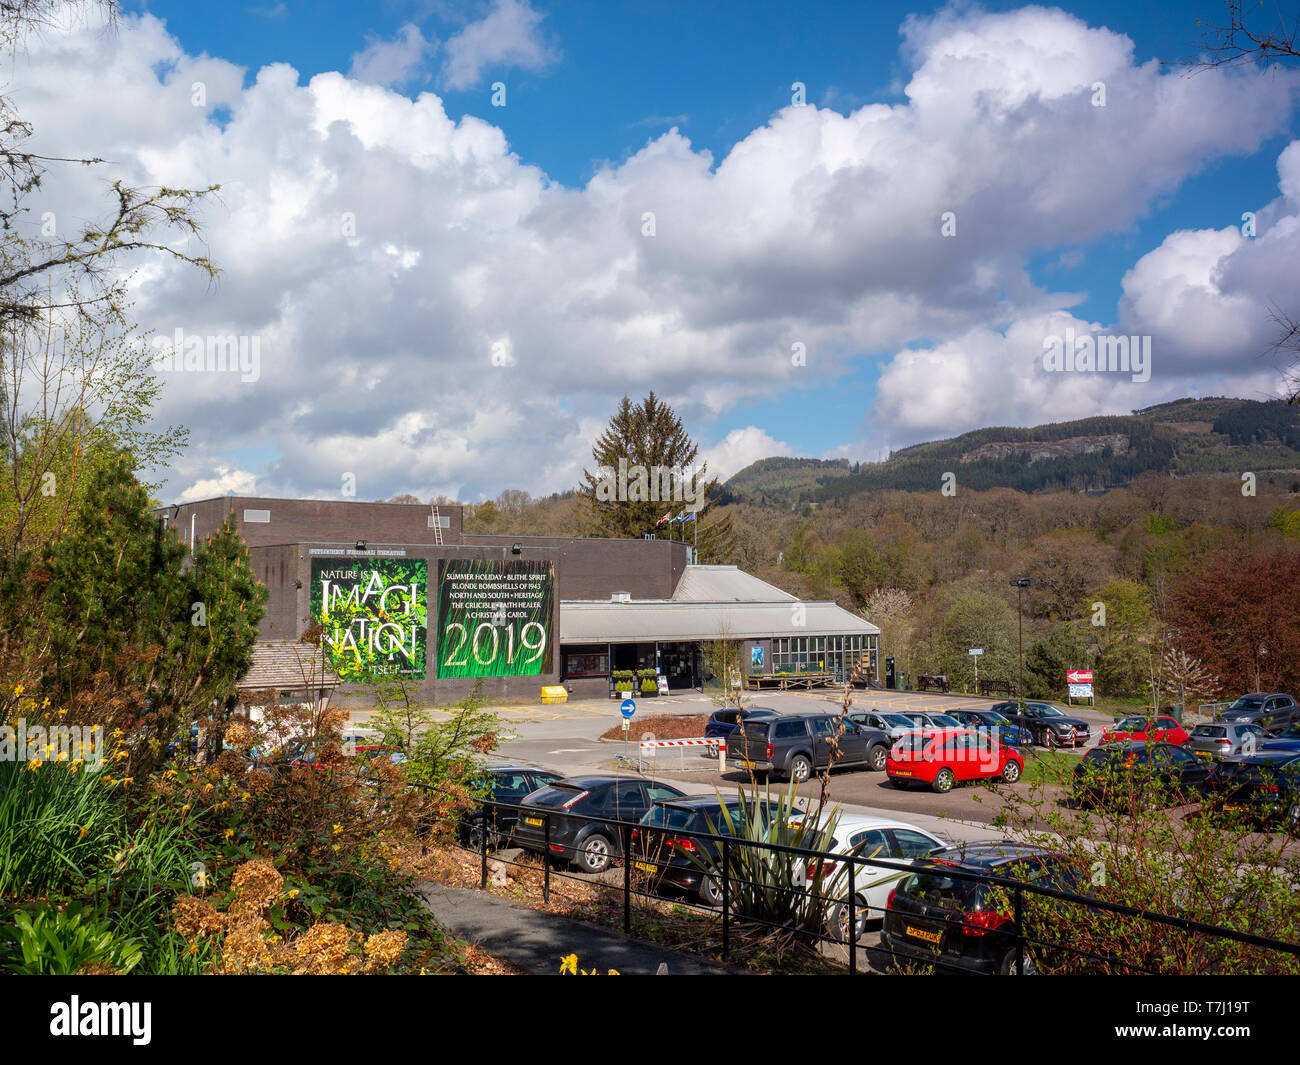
[533,821]
[748,765]
[921,933]
[902,772]
[646,867]
[1235,807]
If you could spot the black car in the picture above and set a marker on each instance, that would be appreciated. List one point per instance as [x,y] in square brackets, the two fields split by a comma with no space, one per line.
[1049,725]
[570,818]
[1263,786]
[1271,711]
[722,723]
[955,924]
[1144,770]
[507,784]
[797,745]
[663,846]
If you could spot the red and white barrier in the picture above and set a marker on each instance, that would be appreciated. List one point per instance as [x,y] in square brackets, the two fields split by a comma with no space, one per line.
[711,741]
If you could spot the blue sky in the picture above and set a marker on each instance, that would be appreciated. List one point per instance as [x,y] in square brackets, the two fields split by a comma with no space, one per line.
[592,90]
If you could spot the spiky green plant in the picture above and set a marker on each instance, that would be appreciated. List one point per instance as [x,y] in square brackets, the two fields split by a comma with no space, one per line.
[791,893]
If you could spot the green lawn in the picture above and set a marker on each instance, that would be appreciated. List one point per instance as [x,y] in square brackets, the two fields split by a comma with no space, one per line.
[1050,767]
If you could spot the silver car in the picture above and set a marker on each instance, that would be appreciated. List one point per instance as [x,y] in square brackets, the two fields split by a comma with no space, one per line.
[1222,739]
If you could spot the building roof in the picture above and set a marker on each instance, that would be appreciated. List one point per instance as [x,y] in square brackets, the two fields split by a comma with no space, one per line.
[665,620]
[721,584]
[287,665]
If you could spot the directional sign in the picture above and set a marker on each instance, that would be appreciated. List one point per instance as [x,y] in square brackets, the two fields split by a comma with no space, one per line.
[628,708]
[976,651]
[1078,676]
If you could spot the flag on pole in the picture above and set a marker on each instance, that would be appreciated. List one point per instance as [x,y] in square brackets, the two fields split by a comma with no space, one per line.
[667,514]
[688,515]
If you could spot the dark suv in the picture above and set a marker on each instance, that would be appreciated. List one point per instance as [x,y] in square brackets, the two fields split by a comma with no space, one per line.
[575,807]
[507,784]
[1049,725]
[1271,711]
[797,745]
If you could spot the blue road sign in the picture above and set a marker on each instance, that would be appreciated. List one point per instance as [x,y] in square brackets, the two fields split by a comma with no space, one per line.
[628,708]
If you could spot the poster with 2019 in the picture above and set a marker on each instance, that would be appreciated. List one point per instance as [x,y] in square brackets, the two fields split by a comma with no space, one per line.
[495,618]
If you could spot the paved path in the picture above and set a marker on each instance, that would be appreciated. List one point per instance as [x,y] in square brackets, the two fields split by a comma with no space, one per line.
[537,942]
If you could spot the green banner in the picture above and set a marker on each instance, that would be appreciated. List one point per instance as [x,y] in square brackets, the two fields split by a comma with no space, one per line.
[374,613]
[495,618]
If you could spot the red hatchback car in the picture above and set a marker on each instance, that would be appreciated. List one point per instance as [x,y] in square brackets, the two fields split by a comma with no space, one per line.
[948,756]
[1145,727]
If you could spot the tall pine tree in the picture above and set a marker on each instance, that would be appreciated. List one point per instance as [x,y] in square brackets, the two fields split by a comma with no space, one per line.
[647,437]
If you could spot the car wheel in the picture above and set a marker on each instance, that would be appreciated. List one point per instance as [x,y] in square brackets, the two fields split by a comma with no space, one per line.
[840,920]
[800,769]
[878,758]
[1049,738]
[1008,966]
[710,892]
[1011,772]
[1293,816]
[595,854]
[943,781]
[475,834]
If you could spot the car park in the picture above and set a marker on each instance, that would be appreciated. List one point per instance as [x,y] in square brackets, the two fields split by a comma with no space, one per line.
[943,758]
[1139,771]
[1145,727]
[798,745]
[999,725]
[935,918]
[1050,725]
[1223,739]
[1272,711]
[1264,787]
[507,784]
[568,819]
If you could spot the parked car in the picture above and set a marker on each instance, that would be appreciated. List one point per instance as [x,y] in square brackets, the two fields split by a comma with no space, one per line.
[935,918]
[1289,740]
[1139,770]
[1050,725]
[575,808]
[1003,728]
[931,720]
[722,723]
[873,837]
[798,745]
[1224,739]
[895,725]
[1145,727]
[1272,711]
[662,845]
[944,757]
[502,783]
[1263,786]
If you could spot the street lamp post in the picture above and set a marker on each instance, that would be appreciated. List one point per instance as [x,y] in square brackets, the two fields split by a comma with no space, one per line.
[1021,583]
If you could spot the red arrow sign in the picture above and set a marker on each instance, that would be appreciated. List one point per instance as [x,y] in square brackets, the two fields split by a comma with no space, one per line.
[1078,676]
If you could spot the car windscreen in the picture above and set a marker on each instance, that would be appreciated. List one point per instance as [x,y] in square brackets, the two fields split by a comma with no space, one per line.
[1246,703]
[1132,724]
[945,721]
[666,815]
[1211,732]
[913,743]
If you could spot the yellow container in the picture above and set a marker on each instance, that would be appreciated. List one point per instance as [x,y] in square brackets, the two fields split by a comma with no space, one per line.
[554,693]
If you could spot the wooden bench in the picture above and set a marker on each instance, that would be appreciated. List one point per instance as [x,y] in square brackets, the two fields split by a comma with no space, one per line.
[929,681]
[997,687]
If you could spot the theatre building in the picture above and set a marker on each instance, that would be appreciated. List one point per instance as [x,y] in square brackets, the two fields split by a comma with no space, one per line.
[400,590]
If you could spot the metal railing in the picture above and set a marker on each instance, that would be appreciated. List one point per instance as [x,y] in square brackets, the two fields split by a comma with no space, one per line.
[1071,949]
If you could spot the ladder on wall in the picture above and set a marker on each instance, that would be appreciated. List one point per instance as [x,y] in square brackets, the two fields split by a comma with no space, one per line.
[436,522]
